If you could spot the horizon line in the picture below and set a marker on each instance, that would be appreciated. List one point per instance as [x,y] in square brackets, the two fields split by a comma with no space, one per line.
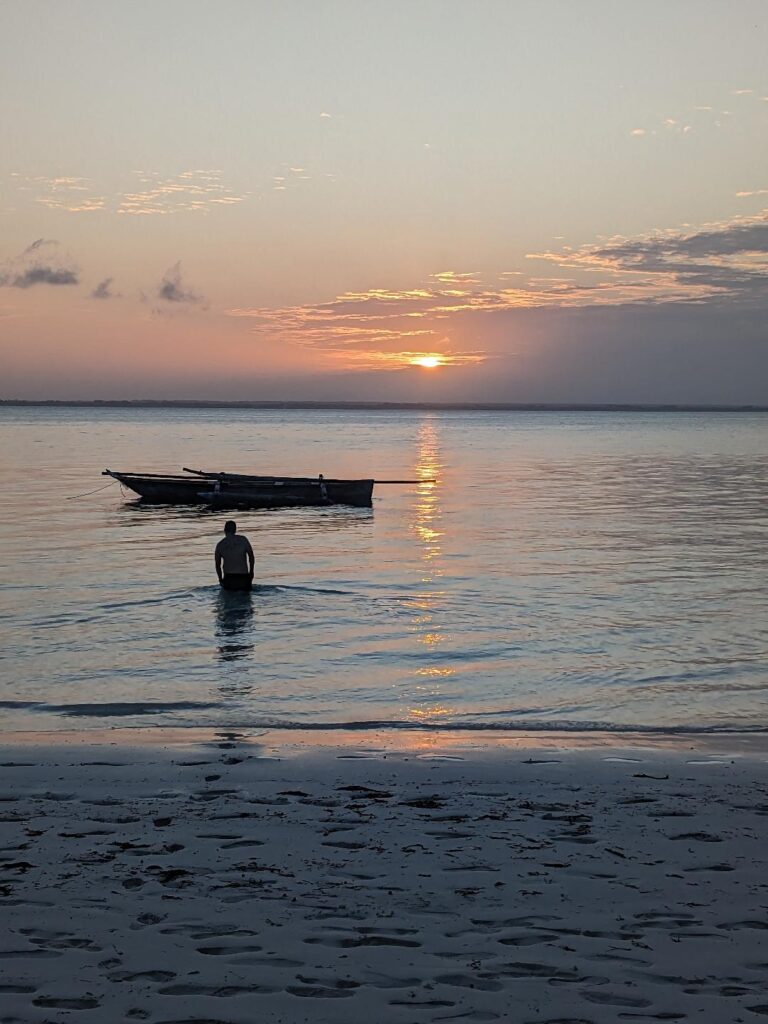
[183,403]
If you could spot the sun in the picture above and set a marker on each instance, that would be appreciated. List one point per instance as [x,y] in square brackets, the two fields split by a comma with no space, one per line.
[428,362]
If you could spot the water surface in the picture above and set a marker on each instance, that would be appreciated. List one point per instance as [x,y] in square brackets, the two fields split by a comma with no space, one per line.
[566,570]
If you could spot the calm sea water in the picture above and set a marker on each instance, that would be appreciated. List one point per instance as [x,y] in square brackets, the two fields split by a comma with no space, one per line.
[566,570]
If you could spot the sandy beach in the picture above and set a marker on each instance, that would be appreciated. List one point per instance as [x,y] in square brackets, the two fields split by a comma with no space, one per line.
[225,883]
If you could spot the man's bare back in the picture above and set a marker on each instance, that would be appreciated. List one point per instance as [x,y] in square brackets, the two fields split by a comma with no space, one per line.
[234,559]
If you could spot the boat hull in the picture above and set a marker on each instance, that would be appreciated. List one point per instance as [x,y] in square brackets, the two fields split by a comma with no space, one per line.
[278,492]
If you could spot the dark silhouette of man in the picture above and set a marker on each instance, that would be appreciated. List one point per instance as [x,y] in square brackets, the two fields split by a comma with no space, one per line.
[234,559]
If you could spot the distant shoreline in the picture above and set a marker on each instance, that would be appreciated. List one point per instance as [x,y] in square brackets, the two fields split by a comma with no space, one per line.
[147,403]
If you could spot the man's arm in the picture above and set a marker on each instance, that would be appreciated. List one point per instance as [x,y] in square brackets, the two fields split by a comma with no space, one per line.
[249,556]
[217,559]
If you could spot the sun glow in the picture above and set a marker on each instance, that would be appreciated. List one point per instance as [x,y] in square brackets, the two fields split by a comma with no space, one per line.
[428,362]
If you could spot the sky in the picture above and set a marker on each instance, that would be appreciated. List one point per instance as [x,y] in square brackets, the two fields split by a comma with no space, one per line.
[395,200]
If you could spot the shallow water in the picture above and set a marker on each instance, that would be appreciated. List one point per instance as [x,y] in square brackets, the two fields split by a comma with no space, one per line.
[567,570]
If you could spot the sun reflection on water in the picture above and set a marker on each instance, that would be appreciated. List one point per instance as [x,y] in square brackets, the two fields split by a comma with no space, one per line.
[427,525]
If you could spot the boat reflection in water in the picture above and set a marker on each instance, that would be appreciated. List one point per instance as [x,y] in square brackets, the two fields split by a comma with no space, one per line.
[427,525]
[323,518]
[234,625]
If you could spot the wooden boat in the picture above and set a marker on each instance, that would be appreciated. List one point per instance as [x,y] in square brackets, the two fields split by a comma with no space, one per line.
[240,490]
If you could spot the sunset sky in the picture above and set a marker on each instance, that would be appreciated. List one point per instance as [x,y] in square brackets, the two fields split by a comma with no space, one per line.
[385,199]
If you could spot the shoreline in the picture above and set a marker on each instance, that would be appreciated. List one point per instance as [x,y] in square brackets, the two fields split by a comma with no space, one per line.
[217,881]
[470,744]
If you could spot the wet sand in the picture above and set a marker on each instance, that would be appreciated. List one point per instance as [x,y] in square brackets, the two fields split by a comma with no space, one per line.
[225,883]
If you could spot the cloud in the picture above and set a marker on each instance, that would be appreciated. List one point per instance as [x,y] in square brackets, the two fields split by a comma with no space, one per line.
[378,328]
[456,277]
[151,193]
[702,115]
[103,289]
[196,191]
[39,263]
[716,265]
[73,195]
[172,289]
[40,274]
[721,261]
[377,360]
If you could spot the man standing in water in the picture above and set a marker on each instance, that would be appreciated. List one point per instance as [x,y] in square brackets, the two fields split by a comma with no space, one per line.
[234,559]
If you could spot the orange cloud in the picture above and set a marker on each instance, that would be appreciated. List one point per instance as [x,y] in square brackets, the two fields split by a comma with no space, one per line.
[196,191]
[65,194]
[376,360]
[378,326]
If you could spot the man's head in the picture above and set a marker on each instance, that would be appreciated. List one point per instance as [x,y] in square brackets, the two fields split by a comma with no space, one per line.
[230,527]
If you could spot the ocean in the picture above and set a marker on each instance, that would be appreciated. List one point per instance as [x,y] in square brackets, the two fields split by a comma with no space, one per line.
[576,571]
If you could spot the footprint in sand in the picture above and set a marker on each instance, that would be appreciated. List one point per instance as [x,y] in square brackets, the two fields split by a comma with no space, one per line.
[480,1016]
[653,1016]
[423,1004]
[214,933]
[474,867]
[123,976]
[367,930]
[269,961]
[387,981]
[327,983]
[526,940]
[66,1003]
[613,999]
[533,970]
[230,950]
[565,1020]
[195,1020]
[341,844]
[316,992]
[659,919]
[709,867]
[27,954]
[698,837]
[361,940]
[69,942]
[216,991]
[484,982]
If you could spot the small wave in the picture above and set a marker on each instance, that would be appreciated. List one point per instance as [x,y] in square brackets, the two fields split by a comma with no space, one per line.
[397,725]
[123,709]
[101,611]
[131,709]
[568,727]
[141,602]
[261,588]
